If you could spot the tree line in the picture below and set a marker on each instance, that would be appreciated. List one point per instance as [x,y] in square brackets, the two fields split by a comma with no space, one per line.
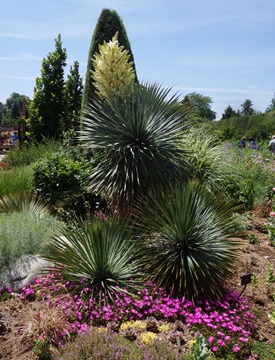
[248,122]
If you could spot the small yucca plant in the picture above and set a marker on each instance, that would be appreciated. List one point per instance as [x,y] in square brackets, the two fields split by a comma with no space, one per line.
[188,250]
[101,255]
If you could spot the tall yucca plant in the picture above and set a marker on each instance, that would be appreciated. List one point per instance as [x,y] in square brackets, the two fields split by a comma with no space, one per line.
[189,250]
[140,134]
[101,255]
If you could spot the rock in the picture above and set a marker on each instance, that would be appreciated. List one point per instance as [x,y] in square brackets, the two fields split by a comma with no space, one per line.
[25,270]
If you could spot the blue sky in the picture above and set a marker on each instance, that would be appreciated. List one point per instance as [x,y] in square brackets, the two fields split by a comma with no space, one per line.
[218,48]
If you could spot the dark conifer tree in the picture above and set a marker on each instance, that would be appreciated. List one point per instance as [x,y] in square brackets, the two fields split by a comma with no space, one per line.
[47,107]
[228,113]
[73,97]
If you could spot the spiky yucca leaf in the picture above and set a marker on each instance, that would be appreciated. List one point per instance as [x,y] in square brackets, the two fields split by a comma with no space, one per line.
[101,255]
[140,135]
[189,250]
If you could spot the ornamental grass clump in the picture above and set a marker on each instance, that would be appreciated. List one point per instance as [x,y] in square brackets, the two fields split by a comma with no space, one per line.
[250,181]
[16,180]
[47,323]
[209,164]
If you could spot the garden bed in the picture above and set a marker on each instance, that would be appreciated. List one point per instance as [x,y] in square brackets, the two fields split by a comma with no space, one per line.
[254,258]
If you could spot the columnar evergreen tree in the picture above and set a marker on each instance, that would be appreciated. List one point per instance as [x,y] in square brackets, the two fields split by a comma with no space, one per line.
[107,25]
[47,107]
[73,97]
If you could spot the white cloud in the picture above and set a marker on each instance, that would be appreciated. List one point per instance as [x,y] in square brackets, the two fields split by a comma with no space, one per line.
[11,35]
[210,90]
[29,78]
[228,60]
[21,57]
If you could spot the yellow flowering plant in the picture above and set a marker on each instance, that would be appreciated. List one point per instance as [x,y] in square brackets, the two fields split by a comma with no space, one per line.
[113,72]
[141,325]
[147,337]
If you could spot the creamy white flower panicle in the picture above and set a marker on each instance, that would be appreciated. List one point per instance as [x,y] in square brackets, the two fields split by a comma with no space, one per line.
[113,73]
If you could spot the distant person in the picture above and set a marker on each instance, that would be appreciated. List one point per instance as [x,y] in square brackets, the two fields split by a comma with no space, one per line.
[242,143]
[271,145]
[252,144]
[14,138]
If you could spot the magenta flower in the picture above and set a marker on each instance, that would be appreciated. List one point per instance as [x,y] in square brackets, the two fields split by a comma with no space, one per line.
[211,339]
[243,339]
[236,348]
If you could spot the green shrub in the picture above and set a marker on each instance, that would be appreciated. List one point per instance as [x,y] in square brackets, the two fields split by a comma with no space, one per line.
[61,181]
[242,191]
[31,153]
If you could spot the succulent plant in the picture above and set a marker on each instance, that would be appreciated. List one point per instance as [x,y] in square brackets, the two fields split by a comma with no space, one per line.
[130,334]
[176,337]
[179,325]
[152,324]
[114,326]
